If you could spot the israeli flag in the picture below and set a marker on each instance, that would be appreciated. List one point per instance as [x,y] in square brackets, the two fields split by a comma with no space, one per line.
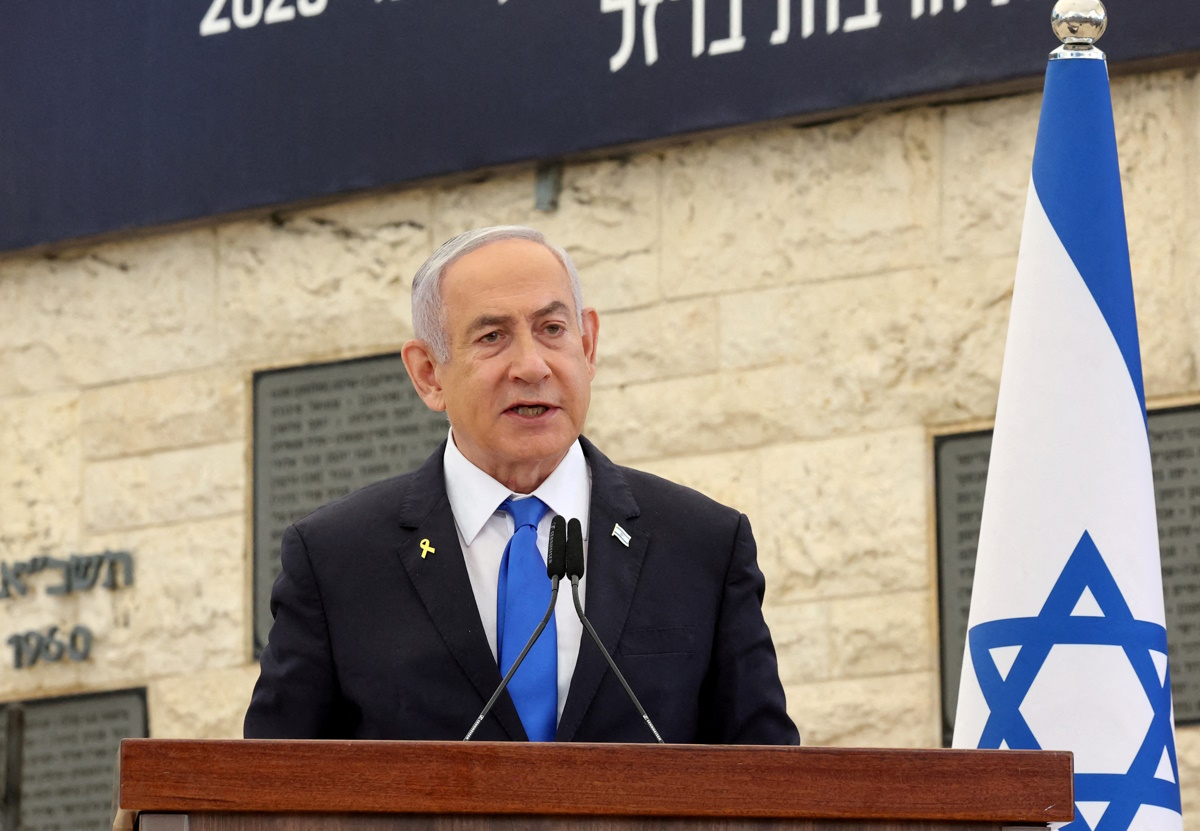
[1066,642]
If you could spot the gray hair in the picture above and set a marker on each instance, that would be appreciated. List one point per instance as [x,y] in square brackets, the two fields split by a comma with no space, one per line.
[428,311]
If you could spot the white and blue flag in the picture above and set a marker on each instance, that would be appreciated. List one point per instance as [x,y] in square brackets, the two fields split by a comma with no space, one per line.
[1066,642]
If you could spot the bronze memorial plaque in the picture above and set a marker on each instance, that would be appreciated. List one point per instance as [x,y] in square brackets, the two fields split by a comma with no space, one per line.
[961,463]
[61,757]
[320,432]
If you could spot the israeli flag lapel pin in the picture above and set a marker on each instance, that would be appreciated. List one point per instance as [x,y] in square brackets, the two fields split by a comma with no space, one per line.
[621,534]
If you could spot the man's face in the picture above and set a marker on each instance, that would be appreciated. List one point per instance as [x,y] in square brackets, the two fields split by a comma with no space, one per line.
[518,382]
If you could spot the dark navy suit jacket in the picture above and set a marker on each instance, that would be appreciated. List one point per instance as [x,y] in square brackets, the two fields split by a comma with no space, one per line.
[372,641]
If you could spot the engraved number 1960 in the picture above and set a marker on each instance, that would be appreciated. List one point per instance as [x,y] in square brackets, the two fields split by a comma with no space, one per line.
[31,647]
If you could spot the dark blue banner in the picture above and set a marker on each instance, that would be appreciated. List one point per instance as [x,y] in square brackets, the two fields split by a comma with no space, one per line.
[124,113]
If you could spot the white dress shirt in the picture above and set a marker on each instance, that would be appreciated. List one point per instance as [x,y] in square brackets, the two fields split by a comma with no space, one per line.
[484,531]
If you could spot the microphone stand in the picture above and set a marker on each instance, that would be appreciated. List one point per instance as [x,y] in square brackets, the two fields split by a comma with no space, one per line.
[574,571]
[587,624]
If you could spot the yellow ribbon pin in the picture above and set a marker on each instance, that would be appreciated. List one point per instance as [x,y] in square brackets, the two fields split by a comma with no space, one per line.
[426,548]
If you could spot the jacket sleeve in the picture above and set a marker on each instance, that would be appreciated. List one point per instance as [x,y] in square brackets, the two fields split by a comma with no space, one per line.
[743,694]
[297,691]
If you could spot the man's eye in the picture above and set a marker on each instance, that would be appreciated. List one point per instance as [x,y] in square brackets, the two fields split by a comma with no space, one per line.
[490,337]
[555,329]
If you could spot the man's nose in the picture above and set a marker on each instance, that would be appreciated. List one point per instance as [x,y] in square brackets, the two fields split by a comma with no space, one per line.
[528,363]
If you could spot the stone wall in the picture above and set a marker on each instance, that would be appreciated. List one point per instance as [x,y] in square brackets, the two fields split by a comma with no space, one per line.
[787,315]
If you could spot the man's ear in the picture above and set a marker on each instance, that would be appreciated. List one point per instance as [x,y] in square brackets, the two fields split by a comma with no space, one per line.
[591,335]
[422,371]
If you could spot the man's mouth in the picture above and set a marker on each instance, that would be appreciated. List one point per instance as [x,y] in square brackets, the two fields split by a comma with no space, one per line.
[529,410]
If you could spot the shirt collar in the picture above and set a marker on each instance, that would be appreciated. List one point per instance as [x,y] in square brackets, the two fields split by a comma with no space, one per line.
[475,496]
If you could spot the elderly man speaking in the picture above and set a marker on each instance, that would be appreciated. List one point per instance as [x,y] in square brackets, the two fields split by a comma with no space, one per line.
[399,606]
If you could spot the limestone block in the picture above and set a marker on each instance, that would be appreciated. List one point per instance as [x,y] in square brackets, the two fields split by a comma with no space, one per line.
[845,517]
[188,610]
[886,711]
[1152,139]
[663,341]
[987,160]
[184,613]
[704,414]
[323,282]
[672,417]
[201,705]
[607,219]
[164,487]
[786,205]
[922,346]
[883,634]
[165,413]
[109,312]
[914,323]
[866,354]
[621,282]
[729,478]
[505,198]
[39,474]
[1187,748]
[800,632]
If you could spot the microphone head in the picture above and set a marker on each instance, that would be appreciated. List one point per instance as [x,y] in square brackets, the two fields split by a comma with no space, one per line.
[556,550]
[574,549]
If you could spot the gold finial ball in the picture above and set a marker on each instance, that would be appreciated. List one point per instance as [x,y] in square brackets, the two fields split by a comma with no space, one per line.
[1078,22]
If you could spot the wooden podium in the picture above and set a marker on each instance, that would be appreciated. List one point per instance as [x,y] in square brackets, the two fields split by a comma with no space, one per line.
[361,786]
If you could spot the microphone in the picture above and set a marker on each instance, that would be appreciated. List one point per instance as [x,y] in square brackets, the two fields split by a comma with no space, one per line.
[555,569]
[574,571]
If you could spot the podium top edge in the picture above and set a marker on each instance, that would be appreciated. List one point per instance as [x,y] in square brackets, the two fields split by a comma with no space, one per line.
[500,778]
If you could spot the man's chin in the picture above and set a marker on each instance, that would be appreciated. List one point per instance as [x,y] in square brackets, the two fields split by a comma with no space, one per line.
[536,448]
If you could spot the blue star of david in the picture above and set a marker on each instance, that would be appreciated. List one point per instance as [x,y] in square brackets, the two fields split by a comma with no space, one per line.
[1054,625]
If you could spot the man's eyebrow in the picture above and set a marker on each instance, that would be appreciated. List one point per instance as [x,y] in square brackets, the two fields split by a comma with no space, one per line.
[557,307]
[488,321]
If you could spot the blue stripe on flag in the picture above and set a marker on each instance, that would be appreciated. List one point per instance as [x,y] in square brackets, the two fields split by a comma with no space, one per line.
[1078,182]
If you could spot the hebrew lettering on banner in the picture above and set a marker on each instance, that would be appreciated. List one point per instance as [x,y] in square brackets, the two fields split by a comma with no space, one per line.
[163,79]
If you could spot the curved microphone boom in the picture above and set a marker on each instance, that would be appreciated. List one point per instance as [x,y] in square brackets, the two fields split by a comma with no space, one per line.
[555,568]
[574,571]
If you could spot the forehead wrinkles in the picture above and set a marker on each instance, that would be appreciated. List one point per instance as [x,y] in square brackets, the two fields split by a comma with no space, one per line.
[503,283]
[506,262]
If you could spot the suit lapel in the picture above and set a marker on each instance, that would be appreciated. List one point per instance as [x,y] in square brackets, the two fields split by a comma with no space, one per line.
[441,581]
[612,576]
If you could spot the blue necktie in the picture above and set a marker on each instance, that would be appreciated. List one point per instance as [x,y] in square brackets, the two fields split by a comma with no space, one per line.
[521,600]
